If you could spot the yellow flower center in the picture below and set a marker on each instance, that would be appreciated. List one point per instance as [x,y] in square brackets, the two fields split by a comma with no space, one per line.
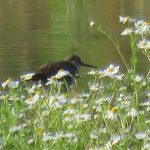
[39,130]
[114,109]
[146,23]
[110,69]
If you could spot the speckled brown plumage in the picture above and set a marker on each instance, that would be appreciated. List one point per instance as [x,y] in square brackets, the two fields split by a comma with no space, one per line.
[70,64]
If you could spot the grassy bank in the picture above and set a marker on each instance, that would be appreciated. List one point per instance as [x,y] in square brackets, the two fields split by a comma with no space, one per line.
[111,114]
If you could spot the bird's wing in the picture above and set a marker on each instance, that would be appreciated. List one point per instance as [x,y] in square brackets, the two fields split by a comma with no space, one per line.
[53,68]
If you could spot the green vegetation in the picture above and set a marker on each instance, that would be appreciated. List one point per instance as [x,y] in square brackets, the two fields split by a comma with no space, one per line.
[111,114]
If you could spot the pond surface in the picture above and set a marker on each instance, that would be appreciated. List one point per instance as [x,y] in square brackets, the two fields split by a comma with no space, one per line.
[35,32]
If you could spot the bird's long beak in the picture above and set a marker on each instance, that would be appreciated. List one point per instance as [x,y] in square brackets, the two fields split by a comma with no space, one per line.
[87,65]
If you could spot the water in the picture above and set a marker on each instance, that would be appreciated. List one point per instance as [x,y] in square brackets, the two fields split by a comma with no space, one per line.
[36,32]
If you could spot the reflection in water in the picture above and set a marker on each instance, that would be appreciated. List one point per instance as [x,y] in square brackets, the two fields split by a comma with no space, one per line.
[38,31]
[135,9]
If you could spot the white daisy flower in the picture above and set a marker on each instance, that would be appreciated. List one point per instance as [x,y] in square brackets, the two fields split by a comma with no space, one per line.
[132,113]
[26,77]
[138,78]
[13,84]
[143,28]
[123,19]
[127,31]
[92,23]
[111,114]
[110,70]
[140,135]
[115,138]
[30,141]
[32,100]
[15,129]
[62,73]
[144,44]
[83,117]
[4,84]
[93,72]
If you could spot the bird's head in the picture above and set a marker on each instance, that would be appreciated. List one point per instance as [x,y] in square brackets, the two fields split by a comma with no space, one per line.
[76,61]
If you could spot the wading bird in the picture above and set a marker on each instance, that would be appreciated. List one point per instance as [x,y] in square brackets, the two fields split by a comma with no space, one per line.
[69,64]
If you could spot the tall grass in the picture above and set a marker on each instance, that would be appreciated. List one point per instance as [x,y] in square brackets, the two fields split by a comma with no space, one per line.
[111,114]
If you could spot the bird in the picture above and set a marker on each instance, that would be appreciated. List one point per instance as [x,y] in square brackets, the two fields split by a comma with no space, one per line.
[70,64]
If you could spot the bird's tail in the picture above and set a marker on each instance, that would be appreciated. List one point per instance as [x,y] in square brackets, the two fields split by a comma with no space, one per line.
[38,76]
[35,77]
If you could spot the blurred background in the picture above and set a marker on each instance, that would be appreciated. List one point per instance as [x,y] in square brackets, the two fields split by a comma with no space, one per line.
[39,31]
